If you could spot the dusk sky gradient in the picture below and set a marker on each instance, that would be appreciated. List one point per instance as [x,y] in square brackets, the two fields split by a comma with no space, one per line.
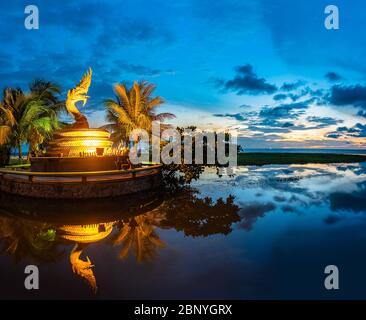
[268,68]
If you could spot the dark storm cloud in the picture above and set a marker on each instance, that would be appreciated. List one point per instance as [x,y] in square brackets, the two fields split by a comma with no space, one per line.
[262,124]
[246,81]
[324,121]
[348,95]
[293,85]
[305,91]
[333,76]
[279,97]
[286,111]
[279,119]
[361,113]
[273,125]
[333,135]
[236,116]
[357,131]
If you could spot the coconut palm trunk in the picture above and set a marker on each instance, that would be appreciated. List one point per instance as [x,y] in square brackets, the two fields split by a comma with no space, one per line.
[4,155]
[20,153]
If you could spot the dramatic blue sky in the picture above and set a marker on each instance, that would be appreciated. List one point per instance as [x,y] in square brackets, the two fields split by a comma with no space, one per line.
[267,68]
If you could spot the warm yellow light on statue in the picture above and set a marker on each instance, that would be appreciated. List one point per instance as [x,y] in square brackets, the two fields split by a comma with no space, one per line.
[75,143]
[86,143]
[86,133]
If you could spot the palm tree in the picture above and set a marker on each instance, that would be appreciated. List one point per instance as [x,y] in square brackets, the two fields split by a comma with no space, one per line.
[29,118]
[48,92]
[133,108]
[10,106]
[7,121]
[36,125]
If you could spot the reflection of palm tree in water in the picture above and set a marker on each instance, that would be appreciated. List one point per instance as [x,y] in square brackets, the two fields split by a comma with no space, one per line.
[199,217]
[83,235]
[138,234]
[185,212]
[32,240]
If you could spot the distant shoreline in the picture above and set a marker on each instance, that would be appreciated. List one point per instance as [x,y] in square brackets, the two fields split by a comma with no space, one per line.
[306,150]
[266,158]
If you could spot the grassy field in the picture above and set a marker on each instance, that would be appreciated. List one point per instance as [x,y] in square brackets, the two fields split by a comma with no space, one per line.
[296,158]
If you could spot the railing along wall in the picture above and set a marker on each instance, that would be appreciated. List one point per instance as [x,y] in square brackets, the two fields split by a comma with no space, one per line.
[13,172]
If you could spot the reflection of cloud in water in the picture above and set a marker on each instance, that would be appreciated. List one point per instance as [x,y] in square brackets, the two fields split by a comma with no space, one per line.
[332,219]
[250,213]
[346,201]
[300,189]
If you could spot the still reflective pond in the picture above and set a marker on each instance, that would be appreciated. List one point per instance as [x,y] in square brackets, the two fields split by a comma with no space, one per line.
[268,232]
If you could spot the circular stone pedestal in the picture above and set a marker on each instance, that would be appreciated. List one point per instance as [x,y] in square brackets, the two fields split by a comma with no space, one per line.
[77,164]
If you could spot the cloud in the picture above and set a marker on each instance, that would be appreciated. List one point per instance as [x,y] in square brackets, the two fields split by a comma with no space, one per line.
[357,131]
[361,113]
[280,119]
[297,91]
[286,111]
[292,86]
[333,76]
[236,116]
[246,81]
[279,97]
[348,95]
[324,122]
[138,69]
[333,135]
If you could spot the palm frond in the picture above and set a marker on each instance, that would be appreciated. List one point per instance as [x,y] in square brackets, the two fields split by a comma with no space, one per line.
[120,90]
[163,116]
[5,132]
[7,116]
[138,104]
[122,116]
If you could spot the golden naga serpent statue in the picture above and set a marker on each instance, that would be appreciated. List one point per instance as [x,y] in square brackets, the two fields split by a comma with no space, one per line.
[79,94]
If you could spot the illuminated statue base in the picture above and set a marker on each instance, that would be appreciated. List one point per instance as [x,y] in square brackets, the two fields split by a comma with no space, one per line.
[76,150]
[78,164]
[79,143]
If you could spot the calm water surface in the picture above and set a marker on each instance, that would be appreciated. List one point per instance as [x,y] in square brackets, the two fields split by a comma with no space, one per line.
[268,232]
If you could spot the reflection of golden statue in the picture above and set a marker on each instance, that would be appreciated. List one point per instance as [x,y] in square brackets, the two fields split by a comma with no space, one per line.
[83,268]
[79,94]
[82,235]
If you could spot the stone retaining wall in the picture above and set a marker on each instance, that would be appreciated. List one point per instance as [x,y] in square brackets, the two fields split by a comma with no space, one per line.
[79,190]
